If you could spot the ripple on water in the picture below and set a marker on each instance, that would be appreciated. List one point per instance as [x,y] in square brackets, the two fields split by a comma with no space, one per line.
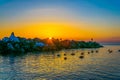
[47,66]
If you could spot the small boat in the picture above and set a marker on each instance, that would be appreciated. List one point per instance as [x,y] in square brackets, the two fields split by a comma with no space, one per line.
[72,54]
[81,57]
[92,51]
[110,51]
[82,53]
[65,58]
[118,50]
[96,51]
[64,54]
[88,52]
[58,55]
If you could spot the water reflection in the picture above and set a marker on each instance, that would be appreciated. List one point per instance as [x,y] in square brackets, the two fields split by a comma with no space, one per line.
[73,64]
[12,67]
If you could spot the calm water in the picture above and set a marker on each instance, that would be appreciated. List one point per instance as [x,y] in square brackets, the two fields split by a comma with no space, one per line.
[63,66]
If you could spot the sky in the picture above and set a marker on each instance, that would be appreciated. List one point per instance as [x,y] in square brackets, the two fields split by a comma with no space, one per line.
[67,19]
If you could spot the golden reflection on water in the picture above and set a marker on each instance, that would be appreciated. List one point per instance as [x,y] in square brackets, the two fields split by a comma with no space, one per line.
[64,62]
[61,64]
[52,63]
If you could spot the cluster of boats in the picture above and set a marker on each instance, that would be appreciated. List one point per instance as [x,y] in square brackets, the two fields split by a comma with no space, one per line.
[82,53]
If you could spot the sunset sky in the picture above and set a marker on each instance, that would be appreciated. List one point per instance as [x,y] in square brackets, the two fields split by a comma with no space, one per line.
[67,19]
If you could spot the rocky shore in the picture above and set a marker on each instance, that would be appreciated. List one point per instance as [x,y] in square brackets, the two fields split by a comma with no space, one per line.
[15,44]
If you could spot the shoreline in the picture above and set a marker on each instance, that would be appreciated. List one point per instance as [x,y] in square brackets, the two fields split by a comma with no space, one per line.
[16,45]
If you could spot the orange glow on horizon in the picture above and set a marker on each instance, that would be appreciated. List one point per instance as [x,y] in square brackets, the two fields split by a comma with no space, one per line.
[59,22]
[58,30]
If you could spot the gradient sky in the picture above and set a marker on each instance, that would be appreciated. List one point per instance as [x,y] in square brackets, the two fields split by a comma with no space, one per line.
[68,19]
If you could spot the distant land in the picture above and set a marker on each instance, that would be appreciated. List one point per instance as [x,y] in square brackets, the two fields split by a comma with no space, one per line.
[110,43]
[16,45]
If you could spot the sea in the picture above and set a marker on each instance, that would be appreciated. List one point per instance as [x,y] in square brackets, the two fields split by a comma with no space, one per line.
[69,64]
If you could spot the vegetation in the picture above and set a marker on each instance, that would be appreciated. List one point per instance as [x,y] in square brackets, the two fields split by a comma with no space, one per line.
[22,45]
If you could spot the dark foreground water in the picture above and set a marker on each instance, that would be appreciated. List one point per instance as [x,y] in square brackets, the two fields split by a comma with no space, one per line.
[63,65]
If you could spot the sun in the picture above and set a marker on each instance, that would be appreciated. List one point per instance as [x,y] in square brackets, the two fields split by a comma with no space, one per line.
[50,37]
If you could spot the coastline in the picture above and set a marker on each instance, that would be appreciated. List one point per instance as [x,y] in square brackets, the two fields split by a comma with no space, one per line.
[14,45]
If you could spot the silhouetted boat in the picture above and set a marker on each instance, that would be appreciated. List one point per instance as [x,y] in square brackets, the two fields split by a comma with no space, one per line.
[81,57]
[92,51]
[82,53]
[110,51]
[118,50]
[58,55]
[88,52]
[64,54]
[72,54]
[96,51]
[65,58]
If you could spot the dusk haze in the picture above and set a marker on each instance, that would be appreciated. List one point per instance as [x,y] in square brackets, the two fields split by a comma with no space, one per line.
[67,19]
[59,39]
